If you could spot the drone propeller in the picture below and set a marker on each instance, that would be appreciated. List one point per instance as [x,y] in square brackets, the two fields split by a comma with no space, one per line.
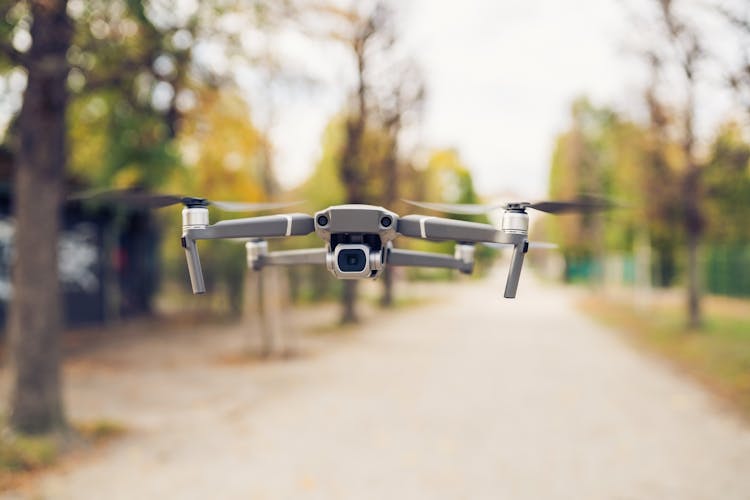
[453,208]
[582,204]
[143,199]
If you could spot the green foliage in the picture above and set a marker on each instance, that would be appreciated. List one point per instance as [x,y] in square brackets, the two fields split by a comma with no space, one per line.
[600,154]
[727,180]
[225,155]
[324,187]
[447,178]
[116,145]
[225,158]
[606,154]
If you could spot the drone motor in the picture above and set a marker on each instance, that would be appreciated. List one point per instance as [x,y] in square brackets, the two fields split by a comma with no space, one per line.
[515,221]
[194,217]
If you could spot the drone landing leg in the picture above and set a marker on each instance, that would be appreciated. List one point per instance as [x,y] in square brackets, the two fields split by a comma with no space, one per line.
[514,273]
[194,265]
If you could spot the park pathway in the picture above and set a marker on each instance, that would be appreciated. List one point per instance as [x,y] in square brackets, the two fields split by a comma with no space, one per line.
[470,396]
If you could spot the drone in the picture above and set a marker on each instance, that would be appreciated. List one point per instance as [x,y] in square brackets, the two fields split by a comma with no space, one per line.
[358,239]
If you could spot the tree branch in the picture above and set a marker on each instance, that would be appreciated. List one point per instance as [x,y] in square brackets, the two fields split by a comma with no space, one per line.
[735,19]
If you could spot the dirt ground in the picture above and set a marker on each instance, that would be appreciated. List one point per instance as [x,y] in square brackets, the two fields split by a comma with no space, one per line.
[468,396]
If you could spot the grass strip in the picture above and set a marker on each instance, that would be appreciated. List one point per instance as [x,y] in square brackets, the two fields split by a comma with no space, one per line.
[718,354]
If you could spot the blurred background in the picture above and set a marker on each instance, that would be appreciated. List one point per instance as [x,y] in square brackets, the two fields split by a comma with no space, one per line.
[644,102]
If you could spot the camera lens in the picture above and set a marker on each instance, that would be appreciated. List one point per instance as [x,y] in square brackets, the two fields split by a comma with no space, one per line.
[352,260]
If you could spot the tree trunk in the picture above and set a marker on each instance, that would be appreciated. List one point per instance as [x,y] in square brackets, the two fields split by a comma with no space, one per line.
[35,314]
[694,230]
[353,177]
[349,302]
[692,209]
[390,171]
[694,290]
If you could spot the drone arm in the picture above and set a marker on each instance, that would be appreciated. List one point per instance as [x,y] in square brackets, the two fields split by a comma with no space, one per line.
[254,227]
[514,273]
[440,229]
[289,258]
[408,258]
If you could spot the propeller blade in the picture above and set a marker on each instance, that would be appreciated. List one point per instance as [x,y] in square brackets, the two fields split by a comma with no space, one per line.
[236,206]
[131,197]
[453,208]
[136,197]
[583,204]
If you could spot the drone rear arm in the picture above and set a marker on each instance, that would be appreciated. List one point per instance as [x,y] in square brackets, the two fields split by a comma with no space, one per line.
[409,258]
[257,258]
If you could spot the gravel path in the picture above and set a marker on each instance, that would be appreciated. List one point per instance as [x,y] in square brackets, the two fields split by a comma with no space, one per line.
[470,397]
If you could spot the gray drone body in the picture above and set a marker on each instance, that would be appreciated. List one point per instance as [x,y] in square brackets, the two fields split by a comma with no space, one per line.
[358,238]
[358,241]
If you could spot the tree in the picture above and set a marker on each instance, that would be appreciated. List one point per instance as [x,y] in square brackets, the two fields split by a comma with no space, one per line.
[130,58]
[605,153]
[600,154]
[387,94]
[402,99]
[660,185]
[34,319]
[580,165]
[365,32]
[687,53]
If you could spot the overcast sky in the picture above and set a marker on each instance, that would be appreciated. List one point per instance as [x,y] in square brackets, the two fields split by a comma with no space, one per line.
[501,76]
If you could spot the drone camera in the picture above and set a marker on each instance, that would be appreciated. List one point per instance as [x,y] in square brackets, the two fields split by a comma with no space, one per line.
[355,261]
[352,260]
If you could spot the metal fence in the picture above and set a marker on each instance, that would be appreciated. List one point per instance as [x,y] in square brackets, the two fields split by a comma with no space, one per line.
[727,270]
